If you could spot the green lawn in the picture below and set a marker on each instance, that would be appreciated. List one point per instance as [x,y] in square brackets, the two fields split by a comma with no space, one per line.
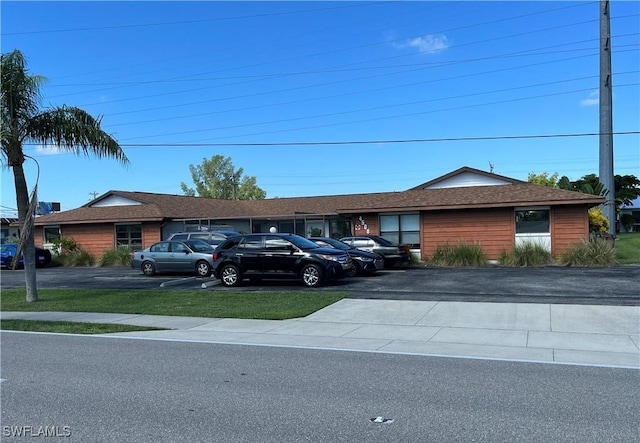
[628,248]
[68,327]
[194,303]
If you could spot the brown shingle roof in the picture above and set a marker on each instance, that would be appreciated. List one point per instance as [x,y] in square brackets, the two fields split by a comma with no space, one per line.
[159,207]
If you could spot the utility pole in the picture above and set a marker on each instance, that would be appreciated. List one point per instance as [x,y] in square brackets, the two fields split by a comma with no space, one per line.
[606,116]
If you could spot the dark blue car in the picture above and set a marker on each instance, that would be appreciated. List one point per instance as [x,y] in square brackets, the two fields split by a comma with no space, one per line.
[8,254]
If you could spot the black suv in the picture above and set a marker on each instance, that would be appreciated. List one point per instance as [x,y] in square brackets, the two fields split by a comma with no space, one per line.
[257,256]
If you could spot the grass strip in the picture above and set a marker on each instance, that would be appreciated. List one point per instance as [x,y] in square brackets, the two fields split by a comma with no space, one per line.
[628,248]
[68,327]
[190,303]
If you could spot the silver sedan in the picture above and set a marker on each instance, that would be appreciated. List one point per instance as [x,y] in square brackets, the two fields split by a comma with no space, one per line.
[189,256]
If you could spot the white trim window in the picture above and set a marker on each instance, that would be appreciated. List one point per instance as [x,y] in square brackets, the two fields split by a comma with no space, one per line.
[533,225]
[532,220]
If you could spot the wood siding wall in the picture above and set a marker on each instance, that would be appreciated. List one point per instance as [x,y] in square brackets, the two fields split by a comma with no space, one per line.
[97,238]
[569,226]
[492,229]
[370,226]
[151,233]
[93,238]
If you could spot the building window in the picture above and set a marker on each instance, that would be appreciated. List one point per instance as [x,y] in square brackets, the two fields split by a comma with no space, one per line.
[51,234]
[129,235]
[636,221]
[401,228]
[532,221]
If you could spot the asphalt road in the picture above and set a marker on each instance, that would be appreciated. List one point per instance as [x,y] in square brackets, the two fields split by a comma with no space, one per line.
[104,389]
[607,286]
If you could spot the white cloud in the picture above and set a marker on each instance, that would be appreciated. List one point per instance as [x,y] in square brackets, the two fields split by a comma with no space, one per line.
[47,150]
[594,99]
[427,44]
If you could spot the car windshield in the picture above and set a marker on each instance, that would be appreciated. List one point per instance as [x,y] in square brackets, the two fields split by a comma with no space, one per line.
[301,242]
[335,243]
[383,241]
[199,246]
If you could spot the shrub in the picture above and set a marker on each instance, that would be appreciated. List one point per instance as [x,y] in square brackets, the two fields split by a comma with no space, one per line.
[68,253]
[64,245]
[597,221]
[526,254]
[120,256]
[79,257]
[462,254]
[597,252]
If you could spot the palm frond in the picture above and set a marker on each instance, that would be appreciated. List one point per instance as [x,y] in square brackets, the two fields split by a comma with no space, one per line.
[73,129]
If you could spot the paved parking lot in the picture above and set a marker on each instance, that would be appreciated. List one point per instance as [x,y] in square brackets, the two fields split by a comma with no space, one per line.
[607,286]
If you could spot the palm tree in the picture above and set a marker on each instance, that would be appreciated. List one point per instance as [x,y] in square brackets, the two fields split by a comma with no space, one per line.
[67,128]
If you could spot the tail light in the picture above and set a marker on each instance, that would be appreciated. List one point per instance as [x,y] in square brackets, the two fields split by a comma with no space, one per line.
[215,256]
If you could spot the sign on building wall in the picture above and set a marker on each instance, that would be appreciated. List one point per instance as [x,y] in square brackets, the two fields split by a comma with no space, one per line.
[45,208]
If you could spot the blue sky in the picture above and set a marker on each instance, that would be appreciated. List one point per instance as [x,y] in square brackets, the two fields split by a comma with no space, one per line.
[177,82]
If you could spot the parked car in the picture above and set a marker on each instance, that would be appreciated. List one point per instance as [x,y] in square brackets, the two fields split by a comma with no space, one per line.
[212,237]
[8,255]
[257,256]
[189,256]
[394,254]
[364,262]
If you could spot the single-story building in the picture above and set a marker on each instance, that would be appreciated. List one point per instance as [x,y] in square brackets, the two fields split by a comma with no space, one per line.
[631,215]
[9,230]
[467,204]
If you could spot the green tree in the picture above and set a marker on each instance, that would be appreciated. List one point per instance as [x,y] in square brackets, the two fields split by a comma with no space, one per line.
[544,179]
[626,187]
[67,128]
[217,178]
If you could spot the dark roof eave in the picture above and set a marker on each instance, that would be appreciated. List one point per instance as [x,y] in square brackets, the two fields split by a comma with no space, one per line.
[95,222]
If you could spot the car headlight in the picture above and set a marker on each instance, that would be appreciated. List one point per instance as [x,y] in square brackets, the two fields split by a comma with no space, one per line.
[364,259]
[329,257]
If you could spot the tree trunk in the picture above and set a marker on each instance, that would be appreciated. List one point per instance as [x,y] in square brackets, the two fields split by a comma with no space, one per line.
[29,249]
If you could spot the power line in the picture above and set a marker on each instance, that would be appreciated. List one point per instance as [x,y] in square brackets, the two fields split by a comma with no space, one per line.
[376,142]
[223,111]
[387,117]
[377,43]
[185,22]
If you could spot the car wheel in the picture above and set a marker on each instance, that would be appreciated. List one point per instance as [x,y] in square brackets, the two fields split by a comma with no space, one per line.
[311,275]
[203,269]
[9,263]
[230,275]
[148,268]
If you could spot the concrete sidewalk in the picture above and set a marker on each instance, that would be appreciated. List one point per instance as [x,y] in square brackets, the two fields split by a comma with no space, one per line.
[551,333]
